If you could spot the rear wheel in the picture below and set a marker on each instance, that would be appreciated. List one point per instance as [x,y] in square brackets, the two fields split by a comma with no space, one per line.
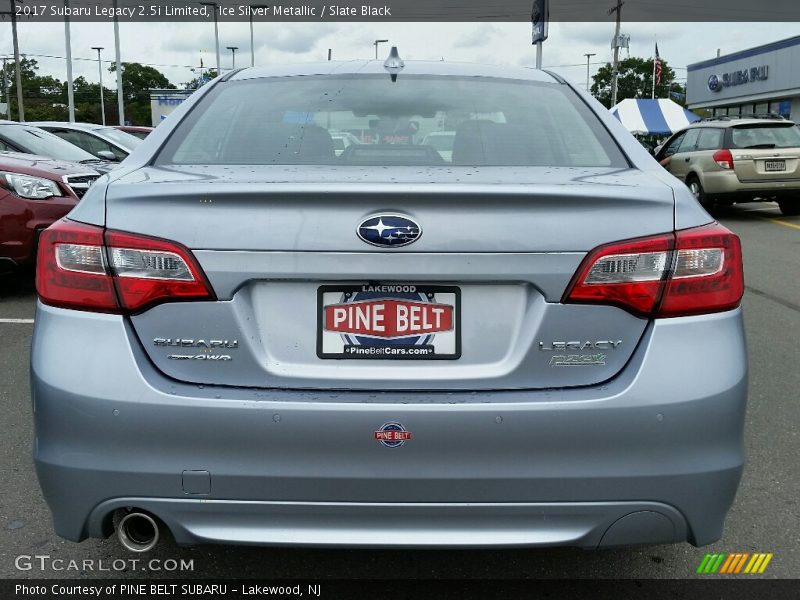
[694,185]
[790,208]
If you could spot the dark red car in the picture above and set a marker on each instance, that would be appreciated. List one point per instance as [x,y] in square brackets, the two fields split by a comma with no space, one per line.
[137,130]
[34,192]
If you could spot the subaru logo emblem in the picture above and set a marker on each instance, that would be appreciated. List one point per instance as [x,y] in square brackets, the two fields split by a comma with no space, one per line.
[714,84]
[389,230]
[392,435]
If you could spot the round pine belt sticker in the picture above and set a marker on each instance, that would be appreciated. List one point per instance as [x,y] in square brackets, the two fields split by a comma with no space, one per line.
[392,435]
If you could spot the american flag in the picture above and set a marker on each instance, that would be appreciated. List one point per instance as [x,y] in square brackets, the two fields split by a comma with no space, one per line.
[657,67]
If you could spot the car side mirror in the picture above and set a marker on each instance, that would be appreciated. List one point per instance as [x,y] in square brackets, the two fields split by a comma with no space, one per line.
[107,155]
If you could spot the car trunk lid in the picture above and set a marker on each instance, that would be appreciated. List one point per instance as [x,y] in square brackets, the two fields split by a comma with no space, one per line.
[497,252]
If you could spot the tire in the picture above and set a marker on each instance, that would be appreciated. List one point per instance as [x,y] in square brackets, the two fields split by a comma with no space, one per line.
[789,208]
[696,188]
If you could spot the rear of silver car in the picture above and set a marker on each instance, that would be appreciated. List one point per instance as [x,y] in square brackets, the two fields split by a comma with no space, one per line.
[537,344]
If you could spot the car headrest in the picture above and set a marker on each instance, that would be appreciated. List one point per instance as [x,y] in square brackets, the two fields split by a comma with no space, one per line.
[283,143]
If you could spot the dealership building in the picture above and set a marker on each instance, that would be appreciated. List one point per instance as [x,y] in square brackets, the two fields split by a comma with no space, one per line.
[163,102]
[761,80]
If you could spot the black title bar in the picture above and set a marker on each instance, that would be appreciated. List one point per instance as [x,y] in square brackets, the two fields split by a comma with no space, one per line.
[405,10]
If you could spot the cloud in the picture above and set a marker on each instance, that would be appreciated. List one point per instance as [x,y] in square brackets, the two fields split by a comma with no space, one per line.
[477,37]
[298,38]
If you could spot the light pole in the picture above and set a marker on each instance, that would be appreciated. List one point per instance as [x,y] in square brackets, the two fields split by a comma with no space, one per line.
[376,46]
[588,55]
[70,90]
[216,32]
[252,43]
[100,69]
[233,50]
[17,67]
[120,96]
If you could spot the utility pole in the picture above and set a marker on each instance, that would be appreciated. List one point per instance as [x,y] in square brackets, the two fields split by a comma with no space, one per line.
[70,90]
[263,7]
[17,66]
[100,69]
[120,96]
[615,69]
[588,55]
[5,90]
[215,7]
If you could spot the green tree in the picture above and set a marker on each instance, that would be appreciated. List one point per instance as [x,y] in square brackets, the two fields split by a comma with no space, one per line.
[41,95]
[635,80]
[200,80]
[137,81]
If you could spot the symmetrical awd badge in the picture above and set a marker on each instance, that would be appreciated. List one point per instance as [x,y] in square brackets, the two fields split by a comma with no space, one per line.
[387,230]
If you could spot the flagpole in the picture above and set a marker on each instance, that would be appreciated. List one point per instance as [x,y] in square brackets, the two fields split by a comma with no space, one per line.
[653,94]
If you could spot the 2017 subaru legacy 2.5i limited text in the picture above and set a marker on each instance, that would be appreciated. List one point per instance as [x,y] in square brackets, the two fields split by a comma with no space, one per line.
[246,338]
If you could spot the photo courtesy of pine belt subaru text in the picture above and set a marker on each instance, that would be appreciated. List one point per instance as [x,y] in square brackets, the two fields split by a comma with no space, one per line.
[473,324]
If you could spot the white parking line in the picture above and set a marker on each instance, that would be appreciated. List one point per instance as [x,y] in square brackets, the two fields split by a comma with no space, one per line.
[16,320]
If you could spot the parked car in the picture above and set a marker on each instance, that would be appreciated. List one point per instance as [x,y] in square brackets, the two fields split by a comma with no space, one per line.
[35,191]
[540,343]
[106,143]
[724,160]
[442,142]
[342,140]
[28,139]
[138,131]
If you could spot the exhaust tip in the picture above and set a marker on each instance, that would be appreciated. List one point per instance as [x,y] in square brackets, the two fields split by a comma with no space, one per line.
[138,532]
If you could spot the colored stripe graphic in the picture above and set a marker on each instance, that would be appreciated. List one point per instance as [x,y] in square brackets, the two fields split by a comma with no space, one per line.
[764,564]
[734,563]
[728,563]
[740,563]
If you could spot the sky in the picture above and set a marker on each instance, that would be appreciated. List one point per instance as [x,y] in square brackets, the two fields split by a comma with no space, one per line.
[175,47]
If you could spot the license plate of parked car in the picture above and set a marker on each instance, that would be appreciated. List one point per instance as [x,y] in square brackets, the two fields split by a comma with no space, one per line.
[388,321]
[775,165]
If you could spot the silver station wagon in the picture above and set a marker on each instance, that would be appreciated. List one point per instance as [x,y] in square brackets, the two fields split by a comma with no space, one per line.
[244,337]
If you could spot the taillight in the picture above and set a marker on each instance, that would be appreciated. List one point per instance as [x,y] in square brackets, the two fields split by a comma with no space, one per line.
[71,269]
[723,158]
[707,275]
[84,267]
[692,271]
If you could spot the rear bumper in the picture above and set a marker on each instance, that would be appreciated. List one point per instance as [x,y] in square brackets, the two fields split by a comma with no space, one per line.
[725,185]
[654,455]
[410,524]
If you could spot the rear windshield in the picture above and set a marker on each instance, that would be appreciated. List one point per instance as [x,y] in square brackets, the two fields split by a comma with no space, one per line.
[766,136]
[486,121]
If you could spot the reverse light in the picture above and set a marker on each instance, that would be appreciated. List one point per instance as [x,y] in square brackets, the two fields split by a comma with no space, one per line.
[692,271]
[84,267]
[723,158]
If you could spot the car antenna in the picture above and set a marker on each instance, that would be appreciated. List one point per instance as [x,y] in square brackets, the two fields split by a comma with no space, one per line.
[394,64]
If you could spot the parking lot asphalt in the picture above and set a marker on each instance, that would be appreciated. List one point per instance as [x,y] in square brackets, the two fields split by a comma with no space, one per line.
[765,516]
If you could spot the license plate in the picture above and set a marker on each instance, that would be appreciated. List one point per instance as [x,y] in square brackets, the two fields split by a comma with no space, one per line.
[774,165]
[389,321]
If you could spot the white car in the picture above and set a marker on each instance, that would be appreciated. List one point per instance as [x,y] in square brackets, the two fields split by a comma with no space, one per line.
[442,142]
[342,140]
[106,143]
